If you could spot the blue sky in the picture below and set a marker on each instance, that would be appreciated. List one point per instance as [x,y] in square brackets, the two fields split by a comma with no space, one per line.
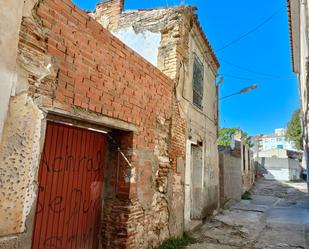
[266,52]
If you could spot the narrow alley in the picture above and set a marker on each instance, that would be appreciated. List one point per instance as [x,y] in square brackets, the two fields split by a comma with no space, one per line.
[129,124]
[277,217]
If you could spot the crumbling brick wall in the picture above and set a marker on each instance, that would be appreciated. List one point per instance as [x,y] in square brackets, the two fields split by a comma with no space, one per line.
[74,67]
[181,37]
[168,22]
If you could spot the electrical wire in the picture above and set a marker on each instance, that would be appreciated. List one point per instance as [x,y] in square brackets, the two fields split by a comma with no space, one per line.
[252,30]
[265,75]
[256,78]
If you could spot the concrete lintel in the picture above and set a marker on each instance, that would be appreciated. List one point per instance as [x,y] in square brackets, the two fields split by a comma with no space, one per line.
[91,118]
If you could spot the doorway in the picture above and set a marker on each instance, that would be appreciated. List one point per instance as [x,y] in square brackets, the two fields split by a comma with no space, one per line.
[69,202]
[197,182]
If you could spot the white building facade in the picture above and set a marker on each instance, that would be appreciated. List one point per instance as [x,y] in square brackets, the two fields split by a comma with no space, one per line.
[277,140]
[298,12]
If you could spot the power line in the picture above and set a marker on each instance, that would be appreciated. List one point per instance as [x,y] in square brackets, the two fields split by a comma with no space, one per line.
[267,75]
[251,31]
[258,78]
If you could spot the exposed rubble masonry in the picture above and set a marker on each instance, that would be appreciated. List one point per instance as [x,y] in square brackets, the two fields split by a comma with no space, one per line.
[171,38]
[69,65]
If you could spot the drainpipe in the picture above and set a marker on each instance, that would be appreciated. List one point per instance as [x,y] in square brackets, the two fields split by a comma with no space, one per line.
[218,101]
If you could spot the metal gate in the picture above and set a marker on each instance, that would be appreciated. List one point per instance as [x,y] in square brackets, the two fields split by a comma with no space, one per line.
[70,185]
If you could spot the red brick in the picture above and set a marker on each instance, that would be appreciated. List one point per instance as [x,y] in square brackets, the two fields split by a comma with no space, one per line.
[100,74]
[62,106]
[55,52]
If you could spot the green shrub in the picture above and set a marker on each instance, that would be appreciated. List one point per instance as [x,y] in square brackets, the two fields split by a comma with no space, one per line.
[177,243]
[246,196]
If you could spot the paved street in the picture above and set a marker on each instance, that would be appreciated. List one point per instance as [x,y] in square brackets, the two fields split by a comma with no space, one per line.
[277,217]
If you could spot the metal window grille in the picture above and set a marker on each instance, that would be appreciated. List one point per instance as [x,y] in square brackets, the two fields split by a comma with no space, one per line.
[198,82]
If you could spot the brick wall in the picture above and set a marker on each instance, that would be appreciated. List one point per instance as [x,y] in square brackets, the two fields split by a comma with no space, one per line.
[108,13]
[181,38]
[76,67]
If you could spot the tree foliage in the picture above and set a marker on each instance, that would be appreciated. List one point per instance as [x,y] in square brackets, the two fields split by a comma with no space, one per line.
[247,139]
[294,132]
[225,136]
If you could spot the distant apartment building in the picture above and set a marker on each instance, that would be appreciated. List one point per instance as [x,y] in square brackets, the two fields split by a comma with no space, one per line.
[276,156]
[278,140]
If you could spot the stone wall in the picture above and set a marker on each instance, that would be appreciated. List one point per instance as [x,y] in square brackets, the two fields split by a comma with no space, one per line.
[69,65]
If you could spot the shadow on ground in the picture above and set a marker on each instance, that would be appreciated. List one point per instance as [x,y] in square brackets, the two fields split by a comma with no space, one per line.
[277,217]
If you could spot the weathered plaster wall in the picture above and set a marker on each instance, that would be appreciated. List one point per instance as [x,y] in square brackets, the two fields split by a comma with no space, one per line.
[22,134]
[231,179]
[202,124]
[299,33]
[69,65]
[237,171]
[247,167]
[164,22]
[281,153]
[181,38]
[304,76]
[20,150]
[282,169]
[11,13]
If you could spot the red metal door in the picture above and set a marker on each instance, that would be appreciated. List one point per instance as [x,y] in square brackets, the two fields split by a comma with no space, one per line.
[70,186]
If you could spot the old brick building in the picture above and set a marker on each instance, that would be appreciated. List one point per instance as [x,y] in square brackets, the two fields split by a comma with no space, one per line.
[172,39]
[92,130]
[94,139]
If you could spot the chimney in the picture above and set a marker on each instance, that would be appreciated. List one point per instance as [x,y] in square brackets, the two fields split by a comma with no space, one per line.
[108,13]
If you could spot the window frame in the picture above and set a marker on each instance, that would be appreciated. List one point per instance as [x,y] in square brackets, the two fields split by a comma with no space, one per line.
[197,63]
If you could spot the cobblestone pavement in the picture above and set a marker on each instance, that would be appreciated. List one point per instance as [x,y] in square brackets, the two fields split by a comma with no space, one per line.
[277,217]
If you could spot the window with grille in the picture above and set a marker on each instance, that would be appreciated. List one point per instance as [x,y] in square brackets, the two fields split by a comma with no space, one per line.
[198,82]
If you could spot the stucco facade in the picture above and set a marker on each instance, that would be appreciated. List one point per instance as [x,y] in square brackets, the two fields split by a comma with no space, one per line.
[298,12]
[172,39]
[11,12]
[237,172]
[281,169]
